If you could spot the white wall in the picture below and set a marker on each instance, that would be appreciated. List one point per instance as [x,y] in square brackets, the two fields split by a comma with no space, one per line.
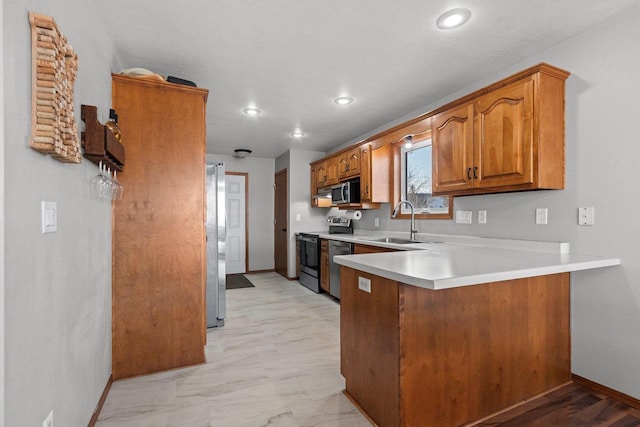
[260,205]
[602,153]
[57,286]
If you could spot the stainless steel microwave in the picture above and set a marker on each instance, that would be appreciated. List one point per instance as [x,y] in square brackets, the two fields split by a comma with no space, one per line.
[346,192]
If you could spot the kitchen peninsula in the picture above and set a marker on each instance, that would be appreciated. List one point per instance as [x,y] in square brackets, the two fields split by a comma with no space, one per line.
[447,333]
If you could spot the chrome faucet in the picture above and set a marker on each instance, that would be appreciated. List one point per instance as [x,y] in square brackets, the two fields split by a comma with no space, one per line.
[413,231]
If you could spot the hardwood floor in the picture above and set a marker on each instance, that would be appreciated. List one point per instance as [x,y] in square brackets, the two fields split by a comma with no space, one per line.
[571,405]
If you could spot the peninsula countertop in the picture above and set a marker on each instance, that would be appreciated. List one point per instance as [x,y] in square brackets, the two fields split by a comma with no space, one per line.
[462,261]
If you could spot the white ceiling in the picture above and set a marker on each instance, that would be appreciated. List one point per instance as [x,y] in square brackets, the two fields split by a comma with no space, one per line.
[291,58]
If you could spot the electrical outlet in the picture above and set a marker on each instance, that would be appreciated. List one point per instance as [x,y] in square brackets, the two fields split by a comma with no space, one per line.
[586,216]
[482,217]
[48,422]
[298,217]
[542,216]
[464,217]
[364,284]
[376,222]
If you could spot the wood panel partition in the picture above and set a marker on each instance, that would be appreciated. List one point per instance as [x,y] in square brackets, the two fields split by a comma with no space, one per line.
[159,259]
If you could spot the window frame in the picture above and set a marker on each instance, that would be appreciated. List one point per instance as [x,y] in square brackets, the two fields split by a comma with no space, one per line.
[398,179]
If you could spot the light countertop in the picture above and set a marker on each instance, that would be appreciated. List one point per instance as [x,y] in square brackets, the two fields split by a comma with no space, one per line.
[463,261]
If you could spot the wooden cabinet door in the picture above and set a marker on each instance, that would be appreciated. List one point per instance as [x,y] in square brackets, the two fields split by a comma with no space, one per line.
[349,163]
[321,174]
[331,165]
[368,249]
[343,166]
[452,139]
[314,186]
[504,136]
[324,266]
[353,161]
[365,172]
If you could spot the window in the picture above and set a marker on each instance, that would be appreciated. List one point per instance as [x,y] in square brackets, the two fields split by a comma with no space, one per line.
[415,171]
[412,176]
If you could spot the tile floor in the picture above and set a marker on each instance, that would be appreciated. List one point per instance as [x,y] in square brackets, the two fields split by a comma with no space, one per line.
[276,362]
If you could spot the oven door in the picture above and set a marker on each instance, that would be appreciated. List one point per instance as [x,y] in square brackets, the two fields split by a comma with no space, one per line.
[309,255]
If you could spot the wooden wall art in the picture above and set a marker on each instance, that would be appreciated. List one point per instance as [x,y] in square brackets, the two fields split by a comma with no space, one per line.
[54,69]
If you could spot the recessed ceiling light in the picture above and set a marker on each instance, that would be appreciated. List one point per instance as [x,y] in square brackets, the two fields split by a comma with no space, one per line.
[251,111]
[453,18]
[297,134]
[343,100]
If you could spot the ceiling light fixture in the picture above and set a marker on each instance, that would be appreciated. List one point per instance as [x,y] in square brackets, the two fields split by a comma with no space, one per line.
[453,18]
[242,152]
[343,100]
[251,111]
[297,134]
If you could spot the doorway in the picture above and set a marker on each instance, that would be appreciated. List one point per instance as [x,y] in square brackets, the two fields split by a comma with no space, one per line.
[237,243]
[280,237]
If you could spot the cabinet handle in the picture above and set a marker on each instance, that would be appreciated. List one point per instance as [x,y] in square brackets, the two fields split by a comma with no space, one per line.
[346,167]
[469,173]
[354,156]
[475,172]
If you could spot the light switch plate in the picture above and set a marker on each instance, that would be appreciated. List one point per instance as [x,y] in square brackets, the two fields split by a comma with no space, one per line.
[49,217]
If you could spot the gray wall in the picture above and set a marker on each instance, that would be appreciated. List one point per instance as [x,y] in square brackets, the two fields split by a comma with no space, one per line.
[1,221]
[57,286]
[260,206]
[311,219]
[602,152]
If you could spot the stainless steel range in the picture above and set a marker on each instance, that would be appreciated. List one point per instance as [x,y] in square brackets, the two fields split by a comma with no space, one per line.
[309,253]
[310,249]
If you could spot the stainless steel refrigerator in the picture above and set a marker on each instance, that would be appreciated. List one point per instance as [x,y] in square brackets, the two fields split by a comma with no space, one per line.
[216,250]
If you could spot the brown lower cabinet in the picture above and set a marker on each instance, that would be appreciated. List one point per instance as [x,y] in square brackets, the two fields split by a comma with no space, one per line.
[324,265]
[416,357]
[368,249]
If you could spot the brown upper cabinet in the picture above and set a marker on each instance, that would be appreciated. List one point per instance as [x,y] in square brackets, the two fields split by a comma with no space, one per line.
[375,174]
[349,163]
[317,202]
[506,137]
[327,172]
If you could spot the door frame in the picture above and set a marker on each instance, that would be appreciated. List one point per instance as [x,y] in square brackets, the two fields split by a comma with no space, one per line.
[246,216]
[285,172]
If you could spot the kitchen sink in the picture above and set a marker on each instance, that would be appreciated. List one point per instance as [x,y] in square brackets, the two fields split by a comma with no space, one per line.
[398,240]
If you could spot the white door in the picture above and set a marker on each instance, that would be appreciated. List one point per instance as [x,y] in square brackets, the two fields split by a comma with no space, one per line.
[236,223]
